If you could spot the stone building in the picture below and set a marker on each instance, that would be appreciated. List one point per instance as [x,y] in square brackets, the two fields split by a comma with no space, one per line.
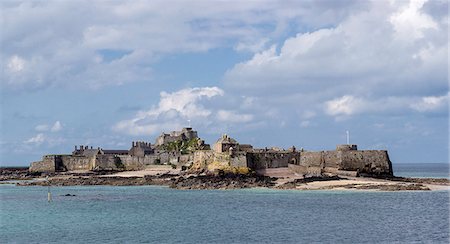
[185,134]
[140,155]
[180,149]
[225,143]
[140,149]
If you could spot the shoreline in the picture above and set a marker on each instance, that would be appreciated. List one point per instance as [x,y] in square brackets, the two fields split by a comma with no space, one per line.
[180,180]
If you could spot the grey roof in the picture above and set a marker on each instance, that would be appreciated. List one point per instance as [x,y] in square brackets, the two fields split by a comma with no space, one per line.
[115,151]
[90,152]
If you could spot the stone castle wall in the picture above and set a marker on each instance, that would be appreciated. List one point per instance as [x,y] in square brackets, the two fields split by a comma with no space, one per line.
[367,161]
[265,160]
[346,159]
[373,162]
[209,159]
[48,164]
[202,158]
[100,162]
[70,163]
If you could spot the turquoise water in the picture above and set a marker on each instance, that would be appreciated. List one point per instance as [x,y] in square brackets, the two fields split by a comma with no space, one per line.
[432,170]
[150,214]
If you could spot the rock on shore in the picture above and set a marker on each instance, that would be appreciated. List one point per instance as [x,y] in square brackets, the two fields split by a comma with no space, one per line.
[229,181]
[16,173]
[98,180]
[223,181]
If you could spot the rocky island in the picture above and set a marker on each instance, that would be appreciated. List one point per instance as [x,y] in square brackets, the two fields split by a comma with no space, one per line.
[182,160]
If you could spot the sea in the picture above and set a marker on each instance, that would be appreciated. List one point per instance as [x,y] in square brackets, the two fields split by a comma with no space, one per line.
[156,214]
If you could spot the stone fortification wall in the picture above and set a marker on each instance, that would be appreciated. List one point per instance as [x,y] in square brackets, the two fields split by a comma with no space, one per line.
[239,159]
[332,159]
[48,164]
[275,159]
[311,159]
[108,162]
[202,159]
[367,161]
[372,162]
[136,163]
[176,158]
[70,163]
[211,160]
[312,163]
[346,147]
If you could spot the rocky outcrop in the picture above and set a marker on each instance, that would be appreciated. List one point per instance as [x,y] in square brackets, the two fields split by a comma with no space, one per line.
[99,180]
[228,181]
[16,174]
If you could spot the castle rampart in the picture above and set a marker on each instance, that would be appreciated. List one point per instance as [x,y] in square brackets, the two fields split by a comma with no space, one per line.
[227,153]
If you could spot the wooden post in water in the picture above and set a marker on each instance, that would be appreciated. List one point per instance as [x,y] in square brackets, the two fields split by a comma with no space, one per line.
[49,194]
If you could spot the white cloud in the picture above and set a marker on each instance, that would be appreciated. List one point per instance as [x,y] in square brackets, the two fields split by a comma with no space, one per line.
[56,127]
[346,105]
[431,103]
[410,23]
[56,57]
[37,140]
[16,64]
[377,61]
[349,105]
[173,110]
[233,116]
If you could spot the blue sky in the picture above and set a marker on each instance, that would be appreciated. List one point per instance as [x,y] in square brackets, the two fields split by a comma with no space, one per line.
[105,73]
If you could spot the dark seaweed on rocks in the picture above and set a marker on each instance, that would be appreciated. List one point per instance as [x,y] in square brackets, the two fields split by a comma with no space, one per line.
[228,181]
[16,173]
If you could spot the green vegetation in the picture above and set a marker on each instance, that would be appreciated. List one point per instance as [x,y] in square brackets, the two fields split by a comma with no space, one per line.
[119,163]
[185,147]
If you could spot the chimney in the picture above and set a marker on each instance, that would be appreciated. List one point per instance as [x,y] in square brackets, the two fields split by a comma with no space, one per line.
[75,147]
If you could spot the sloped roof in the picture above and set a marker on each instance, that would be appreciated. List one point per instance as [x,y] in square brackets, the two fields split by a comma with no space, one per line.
[115,151]
[225,139]
[90,152]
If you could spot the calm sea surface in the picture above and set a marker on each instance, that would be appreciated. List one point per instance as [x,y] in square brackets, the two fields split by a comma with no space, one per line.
[151,214]
[432,170]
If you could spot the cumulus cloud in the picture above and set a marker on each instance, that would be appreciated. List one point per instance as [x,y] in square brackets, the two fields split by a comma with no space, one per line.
[410,22]
[16,64]
[75,57]
[173,110]
[379,60]
[37,139]
[56,127]
[41,139]
[205,107]
[346,105]
[431,103]
[349,105]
